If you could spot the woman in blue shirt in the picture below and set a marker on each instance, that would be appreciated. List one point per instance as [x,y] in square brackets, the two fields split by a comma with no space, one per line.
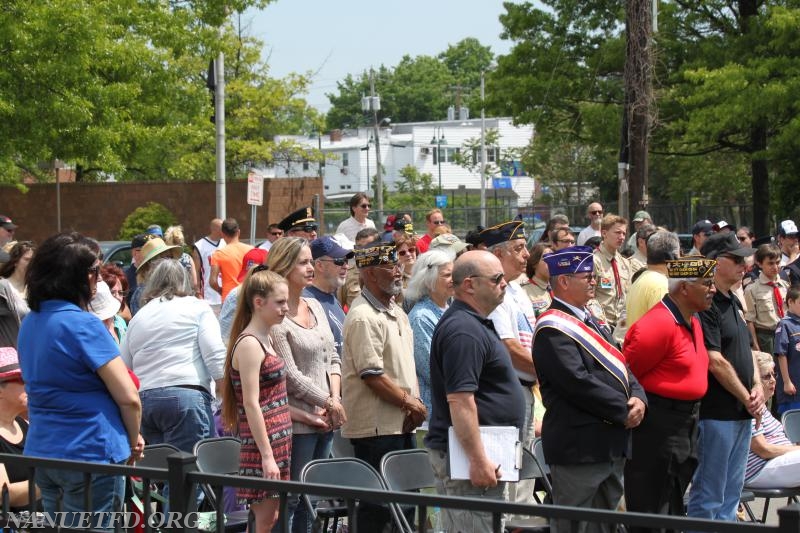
[82,402]
[431,287]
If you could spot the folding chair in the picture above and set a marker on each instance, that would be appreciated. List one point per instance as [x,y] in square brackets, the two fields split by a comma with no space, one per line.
[532,468]
[341,447]
[407,470]
[344,471]
[155,456]
[220,455]
[791,494]
[791,424]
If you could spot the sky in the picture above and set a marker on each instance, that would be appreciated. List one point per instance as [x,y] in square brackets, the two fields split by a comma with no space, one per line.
[336,38]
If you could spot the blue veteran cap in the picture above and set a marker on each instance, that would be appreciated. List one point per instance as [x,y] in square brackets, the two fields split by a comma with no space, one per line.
[572,260]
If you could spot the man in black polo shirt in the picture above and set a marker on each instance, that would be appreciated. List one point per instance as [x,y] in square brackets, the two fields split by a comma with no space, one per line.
[735,394]
[473,384]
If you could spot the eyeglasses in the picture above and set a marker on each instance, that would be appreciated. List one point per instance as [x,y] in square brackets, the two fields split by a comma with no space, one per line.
[582,277]
[403,253]
[767,377]
[94,270]
[438,222]
[600,212]
[339,262]
[392,268]
[567,241]
[119,294]
[276,233]
[308,228]
[365,206]
[496,278]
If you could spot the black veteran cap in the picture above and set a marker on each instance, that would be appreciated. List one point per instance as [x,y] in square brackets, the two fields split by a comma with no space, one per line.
[301,217]
[381,253]
[507,231]
[692,266]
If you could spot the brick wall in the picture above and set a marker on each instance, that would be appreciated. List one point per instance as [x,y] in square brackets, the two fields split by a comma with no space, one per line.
[98,209]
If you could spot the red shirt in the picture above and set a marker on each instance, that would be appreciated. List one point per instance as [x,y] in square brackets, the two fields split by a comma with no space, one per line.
[667,355]
[423,243]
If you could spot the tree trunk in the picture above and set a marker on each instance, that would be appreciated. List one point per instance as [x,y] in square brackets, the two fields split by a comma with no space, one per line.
[760,183]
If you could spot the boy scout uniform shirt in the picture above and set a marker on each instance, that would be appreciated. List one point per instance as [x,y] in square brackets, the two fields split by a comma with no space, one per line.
[377,340]
[539,294]
[759,302]
[606,290]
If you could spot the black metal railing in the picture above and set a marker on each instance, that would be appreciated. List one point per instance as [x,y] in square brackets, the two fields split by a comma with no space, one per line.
[183,478]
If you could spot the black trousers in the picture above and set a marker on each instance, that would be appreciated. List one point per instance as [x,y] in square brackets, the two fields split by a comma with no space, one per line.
[664,458]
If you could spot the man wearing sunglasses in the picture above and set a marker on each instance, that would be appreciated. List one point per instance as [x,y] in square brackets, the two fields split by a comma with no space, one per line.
[514,320]
[735,393]
[433,220]
[331,263]
[300,223]
[592,399]
[379,377]
[595,215]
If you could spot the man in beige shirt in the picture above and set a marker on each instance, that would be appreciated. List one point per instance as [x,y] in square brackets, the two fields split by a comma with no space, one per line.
[611,270]
[379,378]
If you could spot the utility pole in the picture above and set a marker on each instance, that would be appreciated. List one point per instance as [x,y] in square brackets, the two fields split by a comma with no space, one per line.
[483,151]
[375,104]
[219,114]
[637,115]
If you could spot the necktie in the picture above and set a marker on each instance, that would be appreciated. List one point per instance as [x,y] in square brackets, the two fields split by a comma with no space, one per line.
[617,283]
[776,293]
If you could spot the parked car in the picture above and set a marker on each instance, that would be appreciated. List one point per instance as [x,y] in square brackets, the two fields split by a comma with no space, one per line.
[116,252]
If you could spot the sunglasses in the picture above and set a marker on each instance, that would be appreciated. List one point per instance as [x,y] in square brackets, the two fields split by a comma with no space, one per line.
[365,206]
[340,262]
[308,228]
[403,253]
[94,270]
[595,212]
[438,222]
[276,233]
[496,279]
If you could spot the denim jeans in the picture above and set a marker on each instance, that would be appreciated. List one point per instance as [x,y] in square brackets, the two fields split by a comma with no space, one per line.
[305,447]
[722,449]
[177,416]
[107,494]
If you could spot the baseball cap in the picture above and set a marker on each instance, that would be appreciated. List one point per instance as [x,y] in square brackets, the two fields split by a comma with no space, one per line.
[721,225]
[328,246]
[724,243]
[787,227]
[641,216]
[702,226]
[253,257]
[6,223]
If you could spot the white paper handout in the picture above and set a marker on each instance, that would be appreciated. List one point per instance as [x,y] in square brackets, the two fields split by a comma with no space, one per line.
[501,444]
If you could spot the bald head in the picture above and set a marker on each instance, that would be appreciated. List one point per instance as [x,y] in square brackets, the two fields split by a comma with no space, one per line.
[479,281]
[215,229]
[471,263]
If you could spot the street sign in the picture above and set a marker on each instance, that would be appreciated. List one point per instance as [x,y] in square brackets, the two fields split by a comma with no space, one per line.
[501,183]
[255,189]
[441,200]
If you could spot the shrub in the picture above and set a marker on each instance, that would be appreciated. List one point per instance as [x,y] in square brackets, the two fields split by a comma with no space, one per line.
[141,217]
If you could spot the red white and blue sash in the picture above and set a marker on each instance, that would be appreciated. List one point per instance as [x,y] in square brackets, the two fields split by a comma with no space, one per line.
[603,351]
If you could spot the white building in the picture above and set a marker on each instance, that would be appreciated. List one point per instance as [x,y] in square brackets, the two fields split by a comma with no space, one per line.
[351,157]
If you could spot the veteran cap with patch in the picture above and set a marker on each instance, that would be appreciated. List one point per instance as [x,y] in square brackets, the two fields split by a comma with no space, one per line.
[572,260]
[692,266]
[380,254]
[507,231]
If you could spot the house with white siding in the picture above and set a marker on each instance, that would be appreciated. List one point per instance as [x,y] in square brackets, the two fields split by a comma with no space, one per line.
[350,157]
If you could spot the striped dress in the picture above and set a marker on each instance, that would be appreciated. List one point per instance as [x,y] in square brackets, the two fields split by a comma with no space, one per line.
[275,408]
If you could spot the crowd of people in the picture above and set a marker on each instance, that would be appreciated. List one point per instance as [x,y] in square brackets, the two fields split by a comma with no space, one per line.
[644,371]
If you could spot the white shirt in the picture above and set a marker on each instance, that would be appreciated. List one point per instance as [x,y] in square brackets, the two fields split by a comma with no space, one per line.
[350,227]
[515,319]
[205,247]
[174,342]
[587,233]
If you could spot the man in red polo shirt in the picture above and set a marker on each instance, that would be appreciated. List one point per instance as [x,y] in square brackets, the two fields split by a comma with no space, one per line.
[666,353]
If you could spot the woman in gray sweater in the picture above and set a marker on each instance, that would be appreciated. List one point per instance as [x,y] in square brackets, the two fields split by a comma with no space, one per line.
[313,368]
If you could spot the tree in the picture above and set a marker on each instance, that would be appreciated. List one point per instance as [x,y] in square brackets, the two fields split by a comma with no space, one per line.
[118,88]
[414,189]
[142,217]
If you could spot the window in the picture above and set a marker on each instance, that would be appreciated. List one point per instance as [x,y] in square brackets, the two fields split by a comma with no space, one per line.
[305,165]
[492,155]
[345,159]
[447,154]
[327,187]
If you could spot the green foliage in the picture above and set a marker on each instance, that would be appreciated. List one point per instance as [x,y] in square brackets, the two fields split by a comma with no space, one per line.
[142,217]
[415,189]
[119,88]
[417,89]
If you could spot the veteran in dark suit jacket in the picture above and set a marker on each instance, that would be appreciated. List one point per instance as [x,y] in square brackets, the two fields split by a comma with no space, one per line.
[592,398]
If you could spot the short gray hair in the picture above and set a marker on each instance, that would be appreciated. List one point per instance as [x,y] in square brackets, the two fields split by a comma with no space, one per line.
[675,283]
[662,246]
[168,279]
[426,273]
